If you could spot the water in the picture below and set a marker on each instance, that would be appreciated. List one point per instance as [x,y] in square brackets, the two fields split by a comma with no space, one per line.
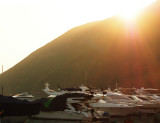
[112,120]
[135,119]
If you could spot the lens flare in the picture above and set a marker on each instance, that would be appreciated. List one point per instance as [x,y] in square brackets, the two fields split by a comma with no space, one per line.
[129,10]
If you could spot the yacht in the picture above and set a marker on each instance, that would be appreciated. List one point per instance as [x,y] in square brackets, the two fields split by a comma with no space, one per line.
[117,97]
[24,96]
[16,110]
[153,93]
[149,106]
[69,106]
[149,102]
[114,109]
[53,93]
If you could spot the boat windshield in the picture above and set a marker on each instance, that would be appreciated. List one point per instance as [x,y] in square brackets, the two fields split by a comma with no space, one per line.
[143,98]
[131,97]
[150,98]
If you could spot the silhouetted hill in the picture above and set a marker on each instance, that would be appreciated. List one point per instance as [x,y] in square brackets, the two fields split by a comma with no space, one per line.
[98,54]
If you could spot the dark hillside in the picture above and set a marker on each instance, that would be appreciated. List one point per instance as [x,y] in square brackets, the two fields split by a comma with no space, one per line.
[99,54]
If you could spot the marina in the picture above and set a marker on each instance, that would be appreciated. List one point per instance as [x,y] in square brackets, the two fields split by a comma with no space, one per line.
[82,104]
[80,61]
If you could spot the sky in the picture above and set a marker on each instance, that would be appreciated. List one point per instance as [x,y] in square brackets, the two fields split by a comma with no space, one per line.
[26,25]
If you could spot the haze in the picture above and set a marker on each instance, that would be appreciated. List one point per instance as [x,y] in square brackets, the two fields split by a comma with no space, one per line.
[27,25]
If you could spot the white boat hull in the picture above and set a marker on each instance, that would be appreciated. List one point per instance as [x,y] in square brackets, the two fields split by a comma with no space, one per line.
[64,115]
[118,111]
[149,108]
[115,109]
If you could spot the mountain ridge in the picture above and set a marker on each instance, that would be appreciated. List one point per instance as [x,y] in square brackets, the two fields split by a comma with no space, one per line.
[98,54]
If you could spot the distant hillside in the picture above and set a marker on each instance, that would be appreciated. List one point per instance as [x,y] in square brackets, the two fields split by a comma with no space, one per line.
[97,54]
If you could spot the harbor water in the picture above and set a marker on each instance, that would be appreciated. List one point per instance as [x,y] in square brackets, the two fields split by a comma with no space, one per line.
[134,119]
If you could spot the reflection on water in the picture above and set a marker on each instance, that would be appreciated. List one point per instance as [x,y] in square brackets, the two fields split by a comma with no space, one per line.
[50,121]
[135,119]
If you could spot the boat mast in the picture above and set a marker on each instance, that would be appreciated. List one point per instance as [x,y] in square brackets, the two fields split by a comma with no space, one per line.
[85,77]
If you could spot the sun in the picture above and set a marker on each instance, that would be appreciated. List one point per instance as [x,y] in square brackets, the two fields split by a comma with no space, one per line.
[130,14]
[130,9]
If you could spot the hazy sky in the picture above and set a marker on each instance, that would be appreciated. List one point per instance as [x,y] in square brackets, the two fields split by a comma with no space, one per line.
[26,25]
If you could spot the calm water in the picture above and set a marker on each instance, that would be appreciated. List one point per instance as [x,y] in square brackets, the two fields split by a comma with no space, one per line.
[135,119]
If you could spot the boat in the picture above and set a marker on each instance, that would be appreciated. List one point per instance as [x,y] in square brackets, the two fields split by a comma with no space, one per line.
[113,109]
[116,103]
[148,106]
[24,96]
[153,93]
[53,93]
[12,108]
[69,106]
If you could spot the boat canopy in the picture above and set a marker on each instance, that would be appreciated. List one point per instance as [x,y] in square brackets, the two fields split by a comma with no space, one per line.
[71,89]
[59,103]
[10,106]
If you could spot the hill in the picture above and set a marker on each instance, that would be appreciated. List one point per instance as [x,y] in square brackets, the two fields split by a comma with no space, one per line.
[99,54]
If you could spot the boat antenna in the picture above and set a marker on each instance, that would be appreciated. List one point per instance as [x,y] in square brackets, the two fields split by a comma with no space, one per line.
[116,85]
[133,84]
[2,69]
[2,75]
[59,87]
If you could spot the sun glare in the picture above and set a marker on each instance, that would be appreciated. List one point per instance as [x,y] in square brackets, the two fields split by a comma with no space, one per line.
[130,9]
